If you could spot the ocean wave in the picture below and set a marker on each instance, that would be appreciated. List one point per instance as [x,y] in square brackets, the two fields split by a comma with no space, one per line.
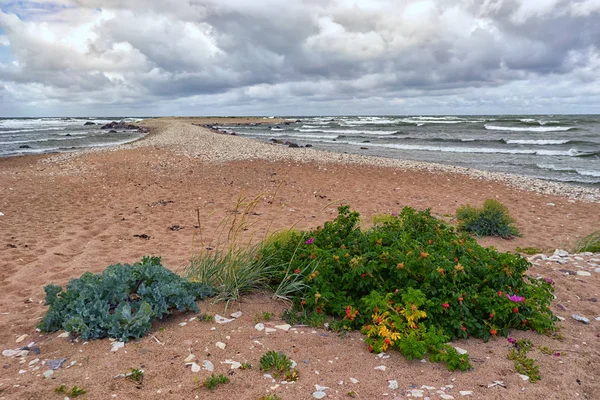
[348,131]
[580,171]
[34,130]
[529,128]
[485,150]
[538,142]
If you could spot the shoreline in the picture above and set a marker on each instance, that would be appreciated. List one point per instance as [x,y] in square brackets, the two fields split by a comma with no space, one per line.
[161,134]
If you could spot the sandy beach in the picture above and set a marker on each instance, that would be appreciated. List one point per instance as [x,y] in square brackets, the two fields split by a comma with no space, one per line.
[68,213]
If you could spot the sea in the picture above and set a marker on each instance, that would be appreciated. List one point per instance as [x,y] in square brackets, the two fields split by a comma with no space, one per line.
[560,148]
[21,136]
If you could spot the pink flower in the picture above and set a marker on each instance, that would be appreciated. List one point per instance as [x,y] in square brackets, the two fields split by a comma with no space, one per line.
[511,340]
[557,354]
[515,298]
[548,280]
[310,241]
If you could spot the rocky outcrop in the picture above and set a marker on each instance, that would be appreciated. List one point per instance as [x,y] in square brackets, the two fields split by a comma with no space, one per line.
[124,126]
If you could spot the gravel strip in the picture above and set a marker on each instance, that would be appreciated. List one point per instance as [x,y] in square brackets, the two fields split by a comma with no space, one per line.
[183,138]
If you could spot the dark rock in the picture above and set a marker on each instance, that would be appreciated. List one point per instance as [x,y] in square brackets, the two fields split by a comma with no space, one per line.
[366,141]
[56,364]
[276,141]
[112,131]
[143,236]
[287,123]
[68,134]
[308,145]
[298,120]
[364,148]
[593,299]
[175,228]
[294,145]
[24,146]
[568,271]
[89,123]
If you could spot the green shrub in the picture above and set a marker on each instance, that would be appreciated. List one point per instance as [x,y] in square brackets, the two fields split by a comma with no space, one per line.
[589,243]
[215,380]
[490,220]
[412,283]
[121,302]
[279,365]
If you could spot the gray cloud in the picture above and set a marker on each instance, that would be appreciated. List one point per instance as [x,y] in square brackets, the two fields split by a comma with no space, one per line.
[300,57]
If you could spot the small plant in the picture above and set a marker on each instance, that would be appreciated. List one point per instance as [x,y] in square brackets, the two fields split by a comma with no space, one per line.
[528,250]
[523,364]
[206,318]
[121,302]
[245,365]
[352,394]
[75,391]
[589,243]
[135,375]
[270,396]
[490,220]
[279,365]
[263,316]
[215,380]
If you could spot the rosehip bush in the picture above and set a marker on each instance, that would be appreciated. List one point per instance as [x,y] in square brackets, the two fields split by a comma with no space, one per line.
[462,288]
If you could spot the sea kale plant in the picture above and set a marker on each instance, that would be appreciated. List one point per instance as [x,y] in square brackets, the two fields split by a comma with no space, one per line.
[411,283]
[121,302]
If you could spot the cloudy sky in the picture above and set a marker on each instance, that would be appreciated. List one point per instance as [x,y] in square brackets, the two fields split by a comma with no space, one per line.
[298,57]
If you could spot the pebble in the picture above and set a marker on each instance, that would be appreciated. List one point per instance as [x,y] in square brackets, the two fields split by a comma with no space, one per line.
[446,396]
[221,345]
[460,350]
[320,388]
[207,365]
[561,253]
[48,374]
[195,367]
[319,395]
[116,346]
[222,320]
[234,364]
[393,384]
[259,327]
[579,318]
[583,273]
[57,363]
[64,335]
[353,380]
[34,361]
[270,330]
[466,392]
[10,353]
[21,338]
[524,377]
[190,358]
[236,314]
[381,368]
[416,392]
[284,327]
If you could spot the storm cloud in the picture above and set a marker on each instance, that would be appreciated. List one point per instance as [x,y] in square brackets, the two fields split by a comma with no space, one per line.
[224,57]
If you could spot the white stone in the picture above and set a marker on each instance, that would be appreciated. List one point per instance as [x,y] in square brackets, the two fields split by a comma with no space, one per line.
[10,353]
[221,345]
[583,273]
[460,350]
[259,326]
[116,346]
[319,395]
[190,358]
[195,367]
[222,320]
[446,397]
[284,327]
[21,338]
[236,314]
[466,393]
[393,384]
[430,388]
[416,392]
[524,377]
[561,253]
[48,374]
[270,330]
[64,335]
[381,368]
[183,324]
[353,380]
[320,388]
[233,364]
[579,258]
[34,361]
[207,365]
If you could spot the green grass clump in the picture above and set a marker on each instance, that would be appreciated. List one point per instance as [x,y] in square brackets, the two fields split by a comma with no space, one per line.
[492,219]
[528,250]
[135,375]
[215,380]
[411,283]
[75,391]
[121,302]
[279,365]
[589,243]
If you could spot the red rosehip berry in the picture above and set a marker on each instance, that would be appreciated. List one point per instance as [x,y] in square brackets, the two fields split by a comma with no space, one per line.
[516,310]
[446,305]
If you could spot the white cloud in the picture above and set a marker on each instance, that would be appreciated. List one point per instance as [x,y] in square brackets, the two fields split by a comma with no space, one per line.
[299,56]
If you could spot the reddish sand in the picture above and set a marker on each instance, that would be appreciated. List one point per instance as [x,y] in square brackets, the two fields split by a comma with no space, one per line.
[79,214]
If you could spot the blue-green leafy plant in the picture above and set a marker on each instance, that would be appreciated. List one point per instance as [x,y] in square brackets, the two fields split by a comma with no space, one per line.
[121,302]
